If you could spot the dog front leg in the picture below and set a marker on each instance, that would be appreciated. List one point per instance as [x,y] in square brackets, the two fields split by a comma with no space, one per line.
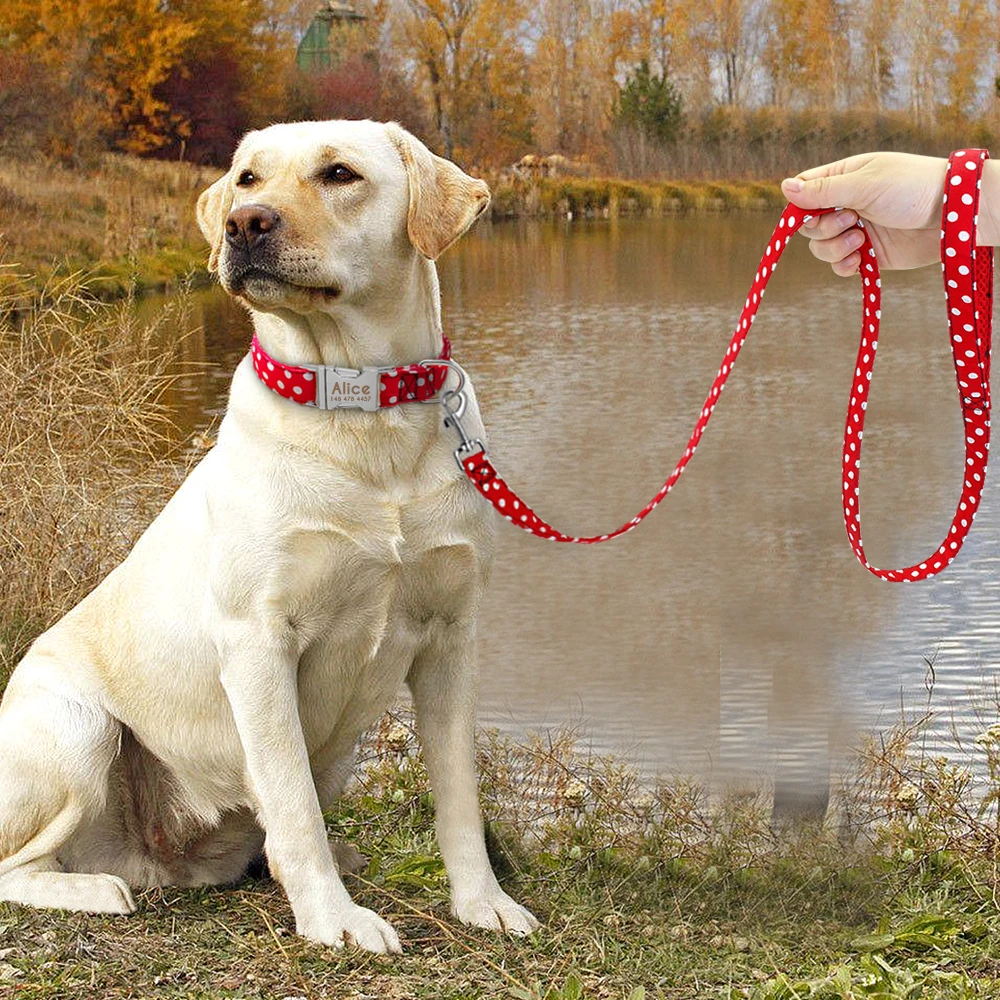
[259,676]
[443,683]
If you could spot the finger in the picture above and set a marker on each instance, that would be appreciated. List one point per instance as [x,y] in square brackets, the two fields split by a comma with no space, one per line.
[837,248]
[848,266]
[825,227]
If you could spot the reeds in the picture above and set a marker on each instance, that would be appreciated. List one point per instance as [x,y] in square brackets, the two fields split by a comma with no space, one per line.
[771,143]
[84,459]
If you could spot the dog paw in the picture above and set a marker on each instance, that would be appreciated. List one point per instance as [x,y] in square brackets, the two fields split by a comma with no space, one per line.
[118,895]
[82,893]
[496,912]
[356,927]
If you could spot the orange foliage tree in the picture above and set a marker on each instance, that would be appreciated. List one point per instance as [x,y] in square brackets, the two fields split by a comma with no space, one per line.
[107,57]
[972,24]
[233,73]
[469,58]
[483,80]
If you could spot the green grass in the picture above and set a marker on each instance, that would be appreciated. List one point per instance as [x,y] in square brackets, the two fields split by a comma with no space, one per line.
[643,895]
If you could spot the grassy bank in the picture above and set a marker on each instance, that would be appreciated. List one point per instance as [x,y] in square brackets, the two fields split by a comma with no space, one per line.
[644,894]
[603,197]
[130,223]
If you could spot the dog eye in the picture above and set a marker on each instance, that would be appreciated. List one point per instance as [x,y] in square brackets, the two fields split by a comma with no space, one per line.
[339,173]
[246,178]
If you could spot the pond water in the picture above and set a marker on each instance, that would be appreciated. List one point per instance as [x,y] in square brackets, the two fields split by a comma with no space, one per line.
[734,631]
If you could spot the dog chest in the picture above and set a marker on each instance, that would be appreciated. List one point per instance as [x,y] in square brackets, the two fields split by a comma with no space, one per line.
[362,649]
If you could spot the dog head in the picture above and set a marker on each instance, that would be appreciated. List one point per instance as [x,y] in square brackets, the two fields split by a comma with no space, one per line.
[315,213]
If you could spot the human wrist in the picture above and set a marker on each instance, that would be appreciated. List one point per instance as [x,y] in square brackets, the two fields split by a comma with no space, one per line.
[988,224]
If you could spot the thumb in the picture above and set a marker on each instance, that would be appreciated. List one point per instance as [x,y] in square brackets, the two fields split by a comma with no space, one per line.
[824,187]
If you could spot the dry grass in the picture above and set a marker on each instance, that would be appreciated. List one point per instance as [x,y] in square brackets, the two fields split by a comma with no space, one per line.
[83,459]
[769,143]
[126,219]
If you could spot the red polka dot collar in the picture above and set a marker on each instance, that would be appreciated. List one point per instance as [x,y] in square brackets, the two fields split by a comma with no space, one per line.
[328,387]
[968,277]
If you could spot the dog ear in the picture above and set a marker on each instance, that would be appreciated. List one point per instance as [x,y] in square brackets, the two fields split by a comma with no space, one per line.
[444,200]
[214,204]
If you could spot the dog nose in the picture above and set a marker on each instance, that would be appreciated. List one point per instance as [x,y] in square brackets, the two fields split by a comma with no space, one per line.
[248,225]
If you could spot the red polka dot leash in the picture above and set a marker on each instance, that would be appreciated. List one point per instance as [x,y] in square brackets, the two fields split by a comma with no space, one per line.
[968,276]
[968,286]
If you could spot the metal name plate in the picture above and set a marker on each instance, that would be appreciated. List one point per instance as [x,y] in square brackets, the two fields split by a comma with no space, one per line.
[338,387]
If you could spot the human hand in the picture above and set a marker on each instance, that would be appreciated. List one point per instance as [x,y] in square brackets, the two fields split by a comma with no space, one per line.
[897,194]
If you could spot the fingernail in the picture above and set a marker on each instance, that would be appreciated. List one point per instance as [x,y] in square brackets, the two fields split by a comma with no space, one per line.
[811,222]
[846,219]
[792,184]
[855,239]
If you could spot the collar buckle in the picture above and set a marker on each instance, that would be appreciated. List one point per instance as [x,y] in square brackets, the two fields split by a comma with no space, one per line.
[345,387]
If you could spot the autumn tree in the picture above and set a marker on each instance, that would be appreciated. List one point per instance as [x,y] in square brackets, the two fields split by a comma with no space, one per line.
[971,24]
[804,52]
[657,31]
[664,33]
[877,60]
[826,54]
[729,30]
[782,54]
[499,126]
[572,75]
[234,72]
[108,57]
[28,96]
[926,58]
[470,57]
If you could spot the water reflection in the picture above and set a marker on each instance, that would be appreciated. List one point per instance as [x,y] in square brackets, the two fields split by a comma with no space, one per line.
[735,628]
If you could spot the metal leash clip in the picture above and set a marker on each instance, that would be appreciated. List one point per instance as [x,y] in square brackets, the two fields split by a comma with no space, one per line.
[467,446]
[454,402]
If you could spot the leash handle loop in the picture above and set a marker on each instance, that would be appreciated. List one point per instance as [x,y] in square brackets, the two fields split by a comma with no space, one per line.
[968,286]
[968,275]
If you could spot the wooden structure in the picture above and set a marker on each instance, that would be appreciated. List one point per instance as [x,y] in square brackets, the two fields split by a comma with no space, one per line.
[335,26]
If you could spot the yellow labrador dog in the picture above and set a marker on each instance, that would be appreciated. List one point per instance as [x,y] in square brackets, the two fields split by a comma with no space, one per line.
[204,702]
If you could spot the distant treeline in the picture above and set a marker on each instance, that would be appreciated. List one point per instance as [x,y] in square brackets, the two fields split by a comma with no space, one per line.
[633,88]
